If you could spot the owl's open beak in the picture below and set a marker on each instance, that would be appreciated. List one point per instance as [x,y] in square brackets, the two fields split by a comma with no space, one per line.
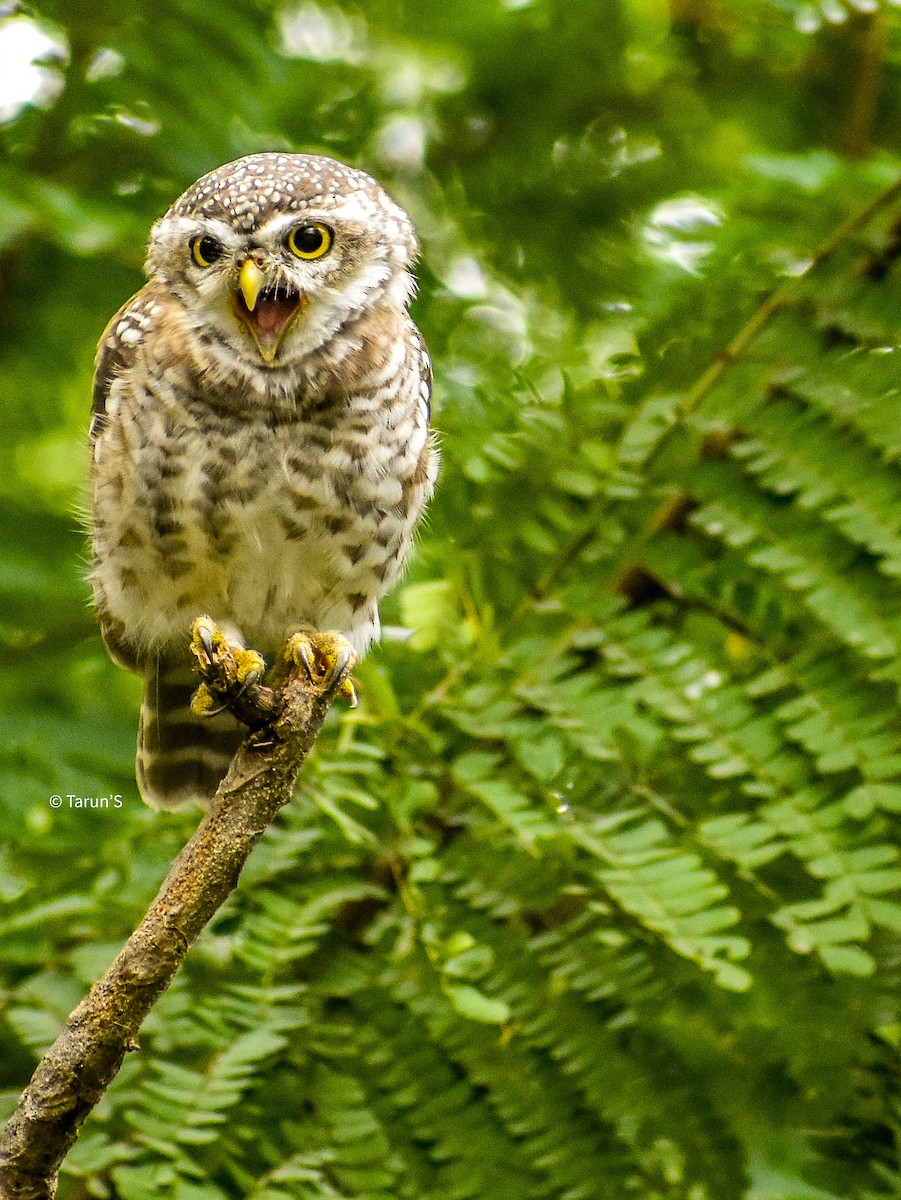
[266,310]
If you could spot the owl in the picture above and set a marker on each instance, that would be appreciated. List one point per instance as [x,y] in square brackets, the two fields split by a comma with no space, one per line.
[260,438]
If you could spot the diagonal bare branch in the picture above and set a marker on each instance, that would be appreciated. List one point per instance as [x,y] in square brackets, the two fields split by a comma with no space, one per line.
[77,1069]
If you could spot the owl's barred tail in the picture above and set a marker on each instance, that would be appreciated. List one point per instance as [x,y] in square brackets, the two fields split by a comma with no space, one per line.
[181,758]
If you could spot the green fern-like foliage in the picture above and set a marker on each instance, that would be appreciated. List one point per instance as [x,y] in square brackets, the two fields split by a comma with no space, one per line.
[597,893]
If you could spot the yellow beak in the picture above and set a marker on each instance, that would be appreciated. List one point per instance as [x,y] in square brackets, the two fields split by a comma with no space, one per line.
[252,281]
[267,314]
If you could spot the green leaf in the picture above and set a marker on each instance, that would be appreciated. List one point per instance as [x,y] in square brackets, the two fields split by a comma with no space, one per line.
[848,960]
[863,800]
[470,1002]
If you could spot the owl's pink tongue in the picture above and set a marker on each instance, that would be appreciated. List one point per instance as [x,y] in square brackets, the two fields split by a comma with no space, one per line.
[272,313]
[269,318]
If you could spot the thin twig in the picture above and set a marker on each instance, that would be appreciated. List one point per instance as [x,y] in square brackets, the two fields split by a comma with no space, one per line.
[77,1069]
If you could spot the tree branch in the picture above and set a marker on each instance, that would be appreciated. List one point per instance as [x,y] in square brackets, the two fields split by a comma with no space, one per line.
[77,1069]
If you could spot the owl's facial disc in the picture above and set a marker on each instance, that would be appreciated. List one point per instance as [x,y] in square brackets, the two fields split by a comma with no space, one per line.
[267,310]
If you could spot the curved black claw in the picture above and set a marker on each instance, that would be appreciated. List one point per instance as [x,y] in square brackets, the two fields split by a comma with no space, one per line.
[206,639]
[344,658]
[229,672]
[303,652]
[326,658]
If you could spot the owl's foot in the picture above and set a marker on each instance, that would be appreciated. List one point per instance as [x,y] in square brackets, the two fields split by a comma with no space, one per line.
[327,659]
[230,674]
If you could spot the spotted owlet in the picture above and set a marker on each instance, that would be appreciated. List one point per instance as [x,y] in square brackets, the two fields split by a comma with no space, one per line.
[261,450]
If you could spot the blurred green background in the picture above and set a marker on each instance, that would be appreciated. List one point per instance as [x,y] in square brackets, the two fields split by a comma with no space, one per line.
[596,894]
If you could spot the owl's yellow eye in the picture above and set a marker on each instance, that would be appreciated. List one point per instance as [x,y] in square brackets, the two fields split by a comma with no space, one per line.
[205,250]
[310,241]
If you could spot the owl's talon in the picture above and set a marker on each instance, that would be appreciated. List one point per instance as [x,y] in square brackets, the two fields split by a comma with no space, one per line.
[326,658]
[206,639]
[348,692]
[251,665]
[299,650]
[337,657]
[340,664]
[230,675]
[203,702]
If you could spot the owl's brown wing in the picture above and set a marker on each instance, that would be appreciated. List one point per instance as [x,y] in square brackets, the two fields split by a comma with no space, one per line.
[114,356]
[116,352]
[425,370]
[119,345]
[181,758]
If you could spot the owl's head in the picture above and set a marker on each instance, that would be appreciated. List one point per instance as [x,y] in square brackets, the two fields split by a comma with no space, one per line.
[274,253]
